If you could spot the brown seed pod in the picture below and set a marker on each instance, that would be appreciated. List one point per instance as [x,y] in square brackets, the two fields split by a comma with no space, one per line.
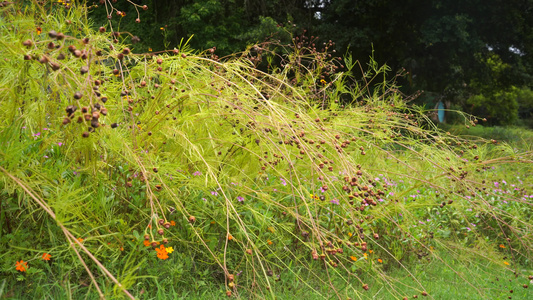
[66,121]
[231,277]
[78,95]
[84,70]
[126,51]
[87,117]
[114,125]
[28,43]
[52,34]
[192,219]
[161,231]
[43,59]
[55,66]
[94,123]
[249,251]
[85,134]
[147,237]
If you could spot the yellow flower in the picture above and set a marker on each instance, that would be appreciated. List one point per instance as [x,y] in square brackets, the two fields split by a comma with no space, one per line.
[323,81]
[39,30]
[170,249]
[365,255]
[150,49]
[271,229]
[506,263]
[161,28]
[350,234]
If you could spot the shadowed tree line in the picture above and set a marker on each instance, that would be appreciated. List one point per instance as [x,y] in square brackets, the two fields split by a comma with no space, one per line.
[474,54]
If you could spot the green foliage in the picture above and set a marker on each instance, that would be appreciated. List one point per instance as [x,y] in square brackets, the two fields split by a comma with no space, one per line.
[501,107]
[140,173]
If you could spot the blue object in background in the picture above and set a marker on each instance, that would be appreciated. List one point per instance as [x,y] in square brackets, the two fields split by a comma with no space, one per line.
[440,111]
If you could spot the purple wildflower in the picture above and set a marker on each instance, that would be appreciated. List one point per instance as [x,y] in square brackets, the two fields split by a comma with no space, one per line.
[240,199]
[334,201]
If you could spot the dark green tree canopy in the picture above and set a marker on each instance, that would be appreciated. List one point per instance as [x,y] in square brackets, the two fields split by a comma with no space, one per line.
[456,49]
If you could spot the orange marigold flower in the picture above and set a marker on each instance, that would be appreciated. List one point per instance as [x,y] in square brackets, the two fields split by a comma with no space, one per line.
[46,256]
[162,252]
[506,263]
[146,243]
[172,223]
[39,30]
[269,242]
[22,266]
[502,246]
[370,251]
[353,258]
[380,260]
[80,240]
[230,237]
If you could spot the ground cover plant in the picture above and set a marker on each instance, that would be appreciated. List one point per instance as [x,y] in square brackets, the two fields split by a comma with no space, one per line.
[132,175]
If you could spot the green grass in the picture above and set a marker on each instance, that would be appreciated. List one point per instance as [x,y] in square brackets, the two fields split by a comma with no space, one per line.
[259,185]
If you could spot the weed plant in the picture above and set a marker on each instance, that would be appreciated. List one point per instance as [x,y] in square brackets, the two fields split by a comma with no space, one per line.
[130,175]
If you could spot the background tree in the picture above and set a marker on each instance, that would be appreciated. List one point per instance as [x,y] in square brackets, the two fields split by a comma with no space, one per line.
[446,48]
